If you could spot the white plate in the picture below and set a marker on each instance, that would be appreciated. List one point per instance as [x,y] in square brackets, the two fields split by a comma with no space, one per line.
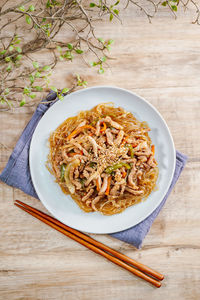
[62,206]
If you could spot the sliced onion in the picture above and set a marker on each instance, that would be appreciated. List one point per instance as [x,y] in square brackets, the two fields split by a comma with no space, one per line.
[70,186]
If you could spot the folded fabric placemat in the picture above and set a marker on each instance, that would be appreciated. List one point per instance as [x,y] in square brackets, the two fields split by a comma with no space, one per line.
[17,174]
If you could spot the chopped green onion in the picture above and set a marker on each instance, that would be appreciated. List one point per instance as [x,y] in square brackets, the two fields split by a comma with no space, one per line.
[92,164]
[119,165]
[131,150]
[94,122]
[82,181]
[62,170]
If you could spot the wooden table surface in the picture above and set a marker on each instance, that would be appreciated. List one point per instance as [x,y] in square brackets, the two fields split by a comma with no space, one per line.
[161,62]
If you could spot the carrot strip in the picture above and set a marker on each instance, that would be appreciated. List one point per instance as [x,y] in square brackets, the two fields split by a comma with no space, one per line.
[124,174]
[108,187]
[153,149]
[98,187]
[78,130]
[104,127]
[71,154]
[124,140]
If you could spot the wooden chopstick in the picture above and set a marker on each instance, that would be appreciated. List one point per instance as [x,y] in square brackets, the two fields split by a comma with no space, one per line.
[92,244]
[87,238]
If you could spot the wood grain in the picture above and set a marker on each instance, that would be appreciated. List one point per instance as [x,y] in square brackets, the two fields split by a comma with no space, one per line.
[161,62]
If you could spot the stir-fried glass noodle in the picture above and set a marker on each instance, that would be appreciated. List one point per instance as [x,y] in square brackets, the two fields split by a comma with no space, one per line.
[104,159]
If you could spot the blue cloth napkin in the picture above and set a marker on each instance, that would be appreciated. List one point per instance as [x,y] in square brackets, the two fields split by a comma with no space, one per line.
[17,174]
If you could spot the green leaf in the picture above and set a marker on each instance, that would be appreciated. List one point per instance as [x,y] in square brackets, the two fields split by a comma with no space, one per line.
[18,57]
[116,11]
[101,40]
[47,82]
[27,90]
[31,8]
[22,8]
[6,91]
[35,64]
[48,32]
[19,50]
[46,68]
[79,51]
[28,20]
[110,42]
[60,97]
[101,70]
[48,4]
[32,78]
[2,100]
[11,48]
[7,59]
[38,88]
[61,57]
[69,46]
[37,74]
[103,59]
[174,7]
[32,96]
[65,90]
[2,52]
[164,3]
[93,64]
[111,17]
[17,42]
[22,102]
[92,4]
[116,3]
[108,47]
[59,48]
[68,55]
[53,88]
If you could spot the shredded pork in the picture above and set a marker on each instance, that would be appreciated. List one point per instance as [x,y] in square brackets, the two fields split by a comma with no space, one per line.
[87,196]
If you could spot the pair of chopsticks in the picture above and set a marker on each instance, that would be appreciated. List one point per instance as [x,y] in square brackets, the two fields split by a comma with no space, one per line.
[116,257]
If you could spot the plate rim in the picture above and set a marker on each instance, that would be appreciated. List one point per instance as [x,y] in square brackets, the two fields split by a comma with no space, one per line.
[166,187]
